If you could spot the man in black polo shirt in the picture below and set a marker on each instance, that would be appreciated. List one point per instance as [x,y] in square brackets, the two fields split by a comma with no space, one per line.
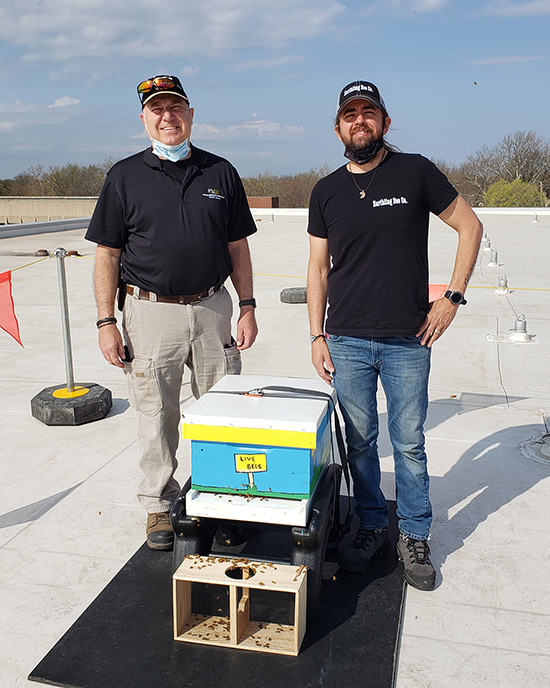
[172,224]
[368,226]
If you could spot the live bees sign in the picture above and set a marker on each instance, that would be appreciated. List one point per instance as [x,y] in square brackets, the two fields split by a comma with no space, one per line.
[250,463]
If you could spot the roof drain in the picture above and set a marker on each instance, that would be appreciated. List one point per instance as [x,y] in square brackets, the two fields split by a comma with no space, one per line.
[537,448]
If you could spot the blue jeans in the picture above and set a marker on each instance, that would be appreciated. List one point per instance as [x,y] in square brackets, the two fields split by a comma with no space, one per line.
[403,366]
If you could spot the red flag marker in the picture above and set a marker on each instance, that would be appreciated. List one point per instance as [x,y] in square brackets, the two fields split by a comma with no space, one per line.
[437,291]
[8,321]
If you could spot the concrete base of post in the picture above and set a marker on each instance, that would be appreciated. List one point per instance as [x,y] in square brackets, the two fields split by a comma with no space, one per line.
[58,406]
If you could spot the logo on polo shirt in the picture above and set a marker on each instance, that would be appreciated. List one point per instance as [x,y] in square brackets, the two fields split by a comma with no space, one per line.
[214,193]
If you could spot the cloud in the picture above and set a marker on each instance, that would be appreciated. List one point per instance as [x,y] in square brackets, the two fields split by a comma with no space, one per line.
[268,63]
[35,119]
[256,128]
[21,108]
[65,101]
[264,127]
[406,7]
[207,131]
[426,5]
[101,30]
[508,8]
[189,71]
[18,107]
[508,59]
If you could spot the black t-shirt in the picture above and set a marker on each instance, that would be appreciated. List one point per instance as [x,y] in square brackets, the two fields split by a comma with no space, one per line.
[378,281]
[173,221]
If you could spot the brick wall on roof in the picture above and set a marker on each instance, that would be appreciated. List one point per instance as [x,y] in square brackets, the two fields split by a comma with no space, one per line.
[263,201]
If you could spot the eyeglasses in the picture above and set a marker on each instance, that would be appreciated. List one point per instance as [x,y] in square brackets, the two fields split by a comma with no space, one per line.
[160,83]
[146,89]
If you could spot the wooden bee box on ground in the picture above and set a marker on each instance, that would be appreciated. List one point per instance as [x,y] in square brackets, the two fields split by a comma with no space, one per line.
[239,603]
[259,446]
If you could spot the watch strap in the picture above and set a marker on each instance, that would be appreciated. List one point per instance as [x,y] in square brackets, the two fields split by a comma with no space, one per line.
[247,302]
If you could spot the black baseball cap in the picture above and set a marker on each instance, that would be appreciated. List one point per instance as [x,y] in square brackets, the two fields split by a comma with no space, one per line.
[361,89]
[158,85]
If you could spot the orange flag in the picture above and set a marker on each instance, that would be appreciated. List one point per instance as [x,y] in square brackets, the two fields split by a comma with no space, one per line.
[8,321]
[437,291]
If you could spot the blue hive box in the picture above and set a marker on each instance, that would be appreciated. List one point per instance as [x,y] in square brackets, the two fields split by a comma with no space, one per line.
[259,446]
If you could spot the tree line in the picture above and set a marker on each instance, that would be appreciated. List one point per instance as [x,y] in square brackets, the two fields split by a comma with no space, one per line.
[514,173]
[67,180]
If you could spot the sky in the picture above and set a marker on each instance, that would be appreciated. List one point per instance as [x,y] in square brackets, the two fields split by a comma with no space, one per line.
[264,76]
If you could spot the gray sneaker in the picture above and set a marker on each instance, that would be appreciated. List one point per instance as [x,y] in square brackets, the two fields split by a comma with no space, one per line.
[367,543]
[418,569]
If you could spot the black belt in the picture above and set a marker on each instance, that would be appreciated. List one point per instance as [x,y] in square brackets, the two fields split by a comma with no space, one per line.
[184,299]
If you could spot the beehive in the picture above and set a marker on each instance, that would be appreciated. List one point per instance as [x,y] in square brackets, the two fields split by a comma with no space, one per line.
[259,446]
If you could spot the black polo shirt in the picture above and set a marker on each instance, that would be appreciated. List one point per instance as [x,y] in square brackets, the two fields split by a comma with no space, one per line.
[173,221]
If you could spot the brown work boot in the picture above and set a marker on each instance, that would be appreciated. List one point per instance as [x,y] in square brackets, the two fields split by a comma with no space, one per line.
[160,534]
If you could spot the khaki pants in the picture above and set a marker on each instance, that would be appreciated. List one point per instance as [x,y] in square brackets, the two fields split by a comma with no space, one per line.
[162,338]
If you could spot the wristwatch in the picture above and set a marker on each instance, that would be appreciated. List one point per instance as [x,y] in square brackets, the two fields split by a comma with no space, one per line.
[247,302]
[455,297]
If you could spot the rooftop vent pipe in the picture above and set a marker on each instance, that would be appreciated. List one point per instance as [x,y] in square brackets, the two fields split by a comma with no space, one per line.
[519,333]
[502,285]
[494,258]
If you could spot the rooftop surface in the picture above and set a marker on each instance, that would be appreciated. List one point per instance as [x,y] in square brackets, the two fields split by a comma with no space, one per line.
[69,518]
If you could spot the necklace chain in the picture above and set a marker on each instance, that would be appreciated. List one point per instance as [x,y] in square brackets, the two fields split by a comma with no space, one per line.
[363,192]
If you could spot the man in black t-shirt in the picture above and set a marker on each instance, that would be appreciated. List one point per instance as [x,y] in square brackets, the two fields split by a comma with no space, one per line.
[171,224]
[368,227]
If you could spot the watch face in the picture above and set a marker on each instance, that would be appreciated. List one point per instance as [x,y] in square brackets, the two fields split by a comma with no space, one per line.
[456,297]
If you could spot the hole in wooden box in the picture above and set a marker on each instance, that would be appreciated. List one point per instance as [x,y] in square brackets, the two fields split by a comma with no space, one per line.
[240,572]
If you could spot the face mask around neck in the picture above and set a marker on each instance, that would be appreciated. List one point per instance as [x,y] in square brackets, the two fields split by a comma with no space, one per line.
[361,156]
[172,153]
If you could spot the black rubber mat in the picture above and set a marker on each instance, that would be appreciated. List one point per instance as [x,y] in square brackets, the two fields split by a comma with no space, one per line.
[125,637]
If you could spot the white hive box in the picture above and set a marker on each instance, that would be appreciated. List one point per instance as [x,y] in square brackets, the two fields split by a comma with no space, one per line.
[257,458]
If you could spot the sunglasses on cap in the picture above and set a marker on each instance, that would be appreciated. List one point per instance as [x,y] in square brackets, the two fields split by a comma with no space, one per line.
[160,84]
